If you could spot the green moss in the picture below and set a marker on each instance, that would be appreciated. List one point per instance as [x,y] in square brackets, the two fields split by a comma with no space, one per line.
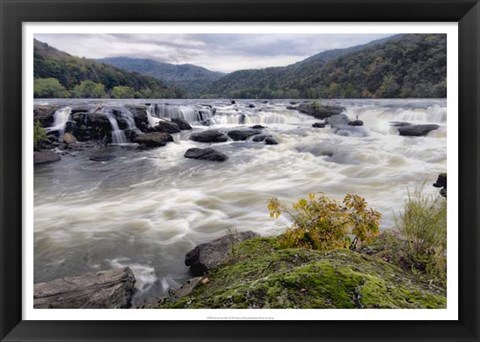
[264,276]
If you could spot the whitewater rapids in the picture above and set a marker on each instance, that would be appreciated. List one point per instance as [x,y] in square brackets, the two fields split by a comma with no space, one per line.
[147,208]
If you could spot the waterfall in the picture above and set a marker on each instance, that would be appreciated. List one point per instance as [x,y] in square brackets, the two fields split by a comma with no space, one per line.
[264,118]
[60,119]
[152,120]
[118,136]
[127,116]
[191,114]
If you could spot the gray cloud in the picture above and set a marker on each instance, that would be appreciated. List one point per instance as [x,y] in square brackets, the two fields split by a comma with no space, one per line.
[219,52]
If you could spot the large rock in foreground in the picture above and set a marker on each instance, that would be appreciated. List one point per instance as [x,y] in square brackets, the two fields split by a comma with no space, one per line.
[205,154]
[213,254]
[262,275]
[154,139]
[416,130]
[102,290]
[45,157]
[211,136]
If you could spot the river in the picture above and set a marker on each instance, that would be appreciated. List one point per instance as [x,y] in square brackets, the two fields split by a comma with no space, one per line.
[147,208]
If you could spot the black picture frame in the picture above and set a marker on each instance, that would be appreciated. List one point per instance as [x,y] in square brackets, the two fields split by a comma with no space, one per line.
[14,12]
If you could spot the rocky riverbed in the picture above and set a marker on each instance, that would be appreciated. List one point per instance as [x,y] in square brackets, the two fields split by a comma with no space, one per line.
[139,183]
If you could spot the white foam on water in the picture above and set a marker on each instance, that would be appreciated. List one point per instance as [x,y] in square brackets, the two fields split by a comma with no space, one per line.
[156,205]
[144,274]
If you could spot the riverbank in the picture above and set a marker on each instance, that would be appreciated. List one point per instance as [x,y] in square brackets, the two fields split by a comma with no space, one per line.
[259,274]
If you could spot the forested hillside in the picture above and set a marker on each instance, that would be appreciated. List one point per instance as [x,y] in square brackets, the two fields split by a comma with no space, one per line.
[194,79]
[58,74]
[402,66]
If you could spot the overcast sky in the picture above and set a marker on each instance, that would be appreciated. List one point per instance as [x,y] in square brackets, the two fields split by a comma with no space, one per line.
[218,52]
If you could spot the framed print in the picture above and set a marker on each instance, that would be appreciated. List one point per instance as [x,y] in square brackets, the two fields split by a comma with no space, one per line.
[240,171]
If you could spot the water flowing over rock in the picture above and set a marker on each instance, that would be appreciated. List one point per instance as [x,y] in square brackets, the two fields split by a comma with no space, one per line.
[205,154]
[140,116]
[243,134]
[417,130]
[44,114]
[349,131]
[45,157]
[118,136]
[102,290]
[213,254]
[60,119]
[153,139]
[210,136]
[189,113]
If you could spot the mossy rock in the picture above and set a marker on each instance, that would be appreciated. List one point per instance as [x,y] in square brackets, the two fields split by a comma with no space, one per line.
[264,276]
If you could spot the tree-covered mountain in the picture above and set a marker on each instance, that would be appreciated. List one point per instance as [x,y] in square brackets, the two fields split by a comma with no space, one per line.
[401,66]
[58,74]
[412,65]
[194,79]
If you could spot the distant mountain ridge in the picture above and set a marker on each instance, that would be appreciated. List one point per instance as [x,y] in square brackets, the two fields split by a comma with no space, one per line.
[194,79]
[70,71]
[401,66]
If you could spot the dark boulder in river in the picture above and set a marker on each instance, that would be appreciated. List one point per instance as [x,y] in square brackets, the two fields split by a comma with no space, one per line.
[243,134]
[260,137]
[182,124]
[211,136]
[213,254]
[45,157]
[205,154]
[44,114]
[153,139]
[318,111]
[318,125]
[140,116]
[82,109]
[111,289]
[258,127]
[442,183]
[417,130]
[356,123]
[166,127]
[270,141]
[92,119]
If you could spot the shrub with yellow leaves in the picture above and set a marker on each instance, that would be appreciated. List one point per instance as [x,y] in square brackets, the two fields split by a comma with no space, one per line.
[322,223]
